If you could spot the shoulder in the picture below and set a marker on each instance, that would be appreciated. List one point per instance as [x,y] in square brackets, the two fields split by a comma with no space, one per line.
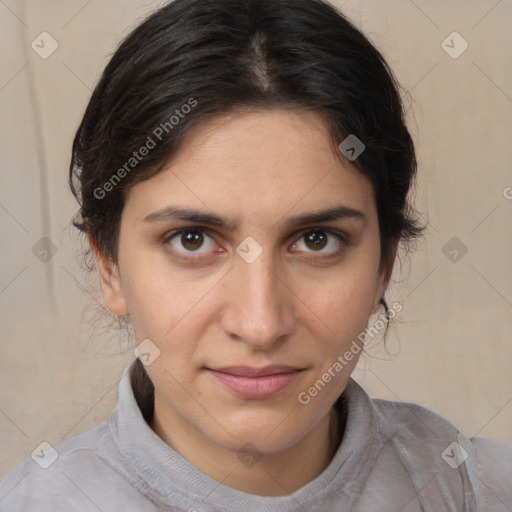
[495,472]
[68,476]
[412,421]
[425,439]
[44,473]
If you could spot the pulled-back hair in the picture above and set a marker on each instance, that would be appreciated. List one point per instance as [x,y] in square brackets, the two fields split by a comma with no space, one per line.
[192,59]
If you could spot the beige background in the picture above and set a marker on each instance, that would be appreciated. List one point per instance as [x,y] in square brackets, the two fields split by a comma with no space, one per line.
[451,348]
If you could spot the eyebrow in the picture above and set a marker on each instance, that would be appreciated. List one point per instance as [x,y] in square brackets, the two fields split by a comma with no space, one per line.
[200,217]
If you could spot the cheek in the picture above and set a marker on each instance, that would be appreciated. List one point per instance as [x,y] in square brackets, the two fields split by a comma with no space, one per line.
[339,316]
[343,305]
[159,295]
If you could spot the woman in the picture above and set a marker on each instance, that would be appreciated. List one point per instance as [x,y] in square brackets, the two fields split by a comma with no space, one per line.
[242,170]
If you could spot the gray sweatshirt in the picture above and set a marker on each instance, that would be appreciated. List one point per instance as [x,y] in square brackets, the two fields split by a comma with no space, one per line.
[394,457]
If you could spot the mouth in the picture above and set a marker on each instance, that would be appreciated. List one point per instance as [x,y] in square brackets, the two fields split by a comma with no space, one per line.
[254,383]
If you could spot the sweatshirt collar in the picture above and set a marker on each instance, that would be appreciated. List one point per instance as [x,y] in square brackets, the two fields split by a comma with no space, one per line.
[171,479]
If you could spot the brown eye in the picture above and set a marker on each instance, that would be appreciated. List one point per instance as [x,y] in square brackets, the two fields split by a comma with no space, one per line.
[316,240]
[192,240]
[322,241]
[189,241]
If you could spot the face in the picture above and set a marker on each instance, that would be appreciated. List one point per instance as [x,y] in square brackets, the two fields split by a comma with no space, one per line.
[230,265]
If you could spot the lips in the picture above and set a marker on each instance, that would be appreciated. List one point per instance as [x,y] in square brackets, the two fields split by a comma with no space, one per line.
[249,371]
[254,383]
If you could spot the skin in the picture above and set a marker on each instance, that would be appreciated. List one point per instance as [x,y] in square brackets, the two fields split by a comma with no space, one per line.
[297,304]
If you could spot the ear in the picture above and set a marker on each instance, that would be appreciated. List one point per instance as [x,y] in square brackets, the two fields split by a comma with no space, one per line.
[110,281]
[385,272]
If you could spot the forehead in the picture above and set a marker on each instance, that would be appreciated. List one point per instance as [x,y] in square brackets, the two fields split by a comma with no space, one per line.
[263,163]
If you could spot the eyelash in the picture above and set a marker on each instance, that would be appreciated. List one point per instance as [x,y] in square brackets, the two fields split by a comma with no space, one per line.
[341,237]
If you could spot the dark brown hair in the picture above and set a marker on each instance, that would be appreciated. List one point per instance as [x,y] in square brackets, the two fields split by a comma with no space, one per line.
[192,59]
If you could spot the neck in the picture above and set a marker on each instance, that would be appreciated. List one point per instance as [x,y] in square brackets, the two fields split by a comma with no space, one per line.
[273,474]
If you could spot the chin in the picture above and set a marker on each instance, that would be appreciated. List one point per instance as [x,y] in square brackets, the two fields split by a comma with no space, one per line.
[263,431]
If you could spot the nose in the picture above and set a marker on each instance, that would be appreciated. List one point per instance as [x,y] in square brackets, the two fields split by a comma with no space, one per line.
[259,307]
